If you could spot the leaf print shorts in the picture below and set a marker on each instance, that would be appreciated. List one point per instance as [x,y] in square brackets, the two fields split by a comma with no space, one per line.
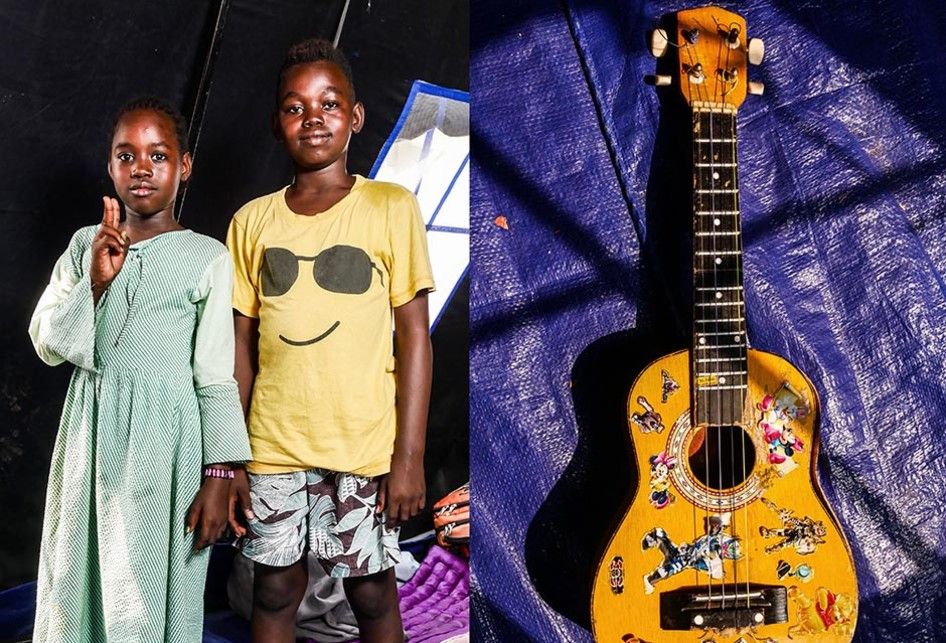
[331,513]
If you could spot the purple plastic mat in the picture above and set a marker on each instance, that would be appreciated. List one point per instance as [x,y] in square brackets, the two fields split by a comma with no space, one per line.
[435,601]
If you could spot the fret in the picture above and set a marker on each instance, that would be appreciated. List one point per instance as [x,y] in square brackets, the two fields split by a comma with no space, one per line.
[718,233]
[723,288]
[720,303]
[714,140]
[713,213]
[722,388]
[715,253]
[714,334]
[719,359]
[716,191]
[714,164]
[722,373]
[724,352]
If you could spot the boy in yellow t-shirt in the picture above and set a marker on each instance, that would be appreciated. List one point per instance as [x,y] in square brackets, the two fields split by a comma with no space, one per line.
[323,267]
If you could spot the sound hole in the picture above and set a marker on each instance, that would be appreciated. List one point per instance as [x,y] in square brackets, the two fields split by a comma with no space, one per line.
[721,457]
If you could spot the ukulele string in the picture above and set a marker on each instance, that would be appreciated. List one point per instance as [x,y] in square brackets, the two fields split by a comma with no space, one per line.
[715,427]
[694,379]
[737,401]
[702,247]
[744,342]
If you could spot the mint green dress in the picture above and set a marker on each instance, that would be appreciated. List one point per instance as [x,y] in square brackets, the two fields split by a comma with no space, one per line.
[152,399]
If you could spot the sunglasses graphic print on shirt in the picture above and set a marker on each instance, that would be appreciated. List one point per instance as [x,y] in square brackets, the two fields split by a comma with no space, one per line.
[339,269]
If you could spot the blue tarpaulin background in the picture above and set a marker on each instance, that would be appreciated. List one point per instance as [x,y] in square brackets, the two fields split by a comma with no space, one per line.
[843,193]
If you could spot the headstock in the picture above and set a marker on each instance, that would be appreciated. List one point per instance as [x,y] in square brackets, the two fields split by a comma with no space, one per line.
[712,58]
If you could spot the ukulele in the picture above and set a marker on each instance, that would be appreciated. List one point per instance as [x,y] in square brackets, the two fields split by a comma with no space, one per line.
[729,538]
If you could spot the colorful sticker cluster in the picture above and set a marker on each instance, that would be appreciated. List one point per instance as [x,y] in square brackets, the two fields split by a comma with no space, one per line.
[660,467]
[649,420]
[802,534]
[706,553]
[668,386]
[777,413]
[827,612]
[616,576]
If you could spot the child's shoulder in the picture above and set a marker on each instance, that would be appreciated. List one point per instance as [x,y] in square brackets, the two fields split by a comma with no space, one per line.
[383,189]
[203,245]
[392,199]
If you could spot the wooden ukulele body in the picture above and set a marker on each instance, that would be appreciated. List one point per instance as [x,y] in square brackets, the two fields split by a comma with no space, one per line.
[770,538]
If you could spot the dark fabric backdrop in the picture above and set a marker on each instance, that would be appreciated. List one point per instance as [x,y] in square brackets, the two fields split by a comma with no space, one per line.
[66,67]
[842,186]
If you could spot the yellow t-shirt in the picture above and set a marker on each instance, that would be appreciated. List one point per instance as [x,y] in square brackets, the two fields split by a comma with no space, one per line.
[323,288]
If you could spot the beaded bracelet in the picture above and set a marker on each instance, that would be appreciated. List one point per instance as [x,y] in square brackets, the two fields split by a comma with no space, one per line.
[216,472]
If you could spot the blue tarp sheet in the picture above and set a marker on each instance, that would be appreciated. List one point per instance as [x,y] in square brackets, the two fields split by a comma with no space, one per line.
[843,194]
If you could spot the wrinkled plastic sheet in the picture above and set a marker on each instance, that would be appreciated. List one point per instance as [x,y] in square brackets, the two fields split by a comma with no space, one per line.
[577,284]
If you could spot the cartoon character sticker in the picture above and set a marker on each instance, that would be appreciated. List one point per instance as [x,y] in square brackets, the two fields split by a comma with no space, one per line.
[649,420]
[668,386]
[617,575]
[778,411]
[803,534]
[826,613]
[660,467]
[706,553]
[803,572]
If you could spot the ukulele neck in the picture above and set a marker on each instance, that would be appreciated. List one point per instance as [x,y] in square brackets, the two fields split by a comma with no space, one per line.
[719,370]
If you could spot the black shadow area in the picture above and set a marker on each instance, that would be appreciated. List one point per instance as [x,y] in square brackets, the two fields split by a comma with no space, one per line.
[570,531]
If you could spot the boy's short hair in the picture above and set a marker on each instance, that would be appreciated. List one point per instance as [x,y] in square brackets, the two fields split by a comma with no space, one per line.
[315,50]
[154,104]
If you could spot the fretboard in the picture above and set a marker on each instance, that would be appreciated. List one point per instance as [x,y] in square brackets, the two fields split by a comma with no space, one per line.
[719,368]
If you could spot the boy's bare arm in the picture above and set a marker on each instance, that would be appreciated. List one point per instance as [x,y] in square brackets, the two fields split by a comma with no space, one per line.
[403,491]
[246,359]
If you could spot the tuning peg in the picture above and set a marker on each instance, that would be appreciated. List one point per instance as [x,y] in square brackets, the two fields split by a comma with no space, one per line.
[658,42]
[659,80]
[755,87]
[756,51]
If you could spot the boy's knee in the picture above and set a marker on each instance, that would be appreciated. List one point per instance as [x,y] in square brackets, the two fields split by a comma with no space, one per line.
[372,597]
[278,590]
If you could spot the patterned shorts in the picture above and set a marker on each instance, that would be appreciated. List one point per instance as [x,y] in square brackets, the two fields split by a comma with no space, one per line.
[331,513]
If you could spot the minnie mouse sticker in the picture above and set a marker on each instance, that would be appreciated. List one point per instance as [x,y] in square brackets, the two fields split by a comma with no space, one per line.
[778,411]
[660,467]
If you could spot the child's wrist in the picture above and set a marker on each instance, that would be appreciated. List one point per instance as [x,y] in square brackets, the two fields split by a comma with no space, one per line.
[223,471]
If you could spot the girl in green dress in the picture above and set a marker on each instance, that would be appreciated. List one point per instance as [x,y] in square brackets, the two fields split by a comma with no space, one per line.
[152,420]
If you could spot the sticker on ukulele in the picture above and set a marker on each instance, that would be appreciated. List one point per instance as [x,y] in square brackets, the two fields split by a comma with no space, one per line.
[649,420]
[660,467]
[668,386]
[826,613]
[803,572]
[778,411]
[705,554]
[630,638]
[617,575]
[802,534]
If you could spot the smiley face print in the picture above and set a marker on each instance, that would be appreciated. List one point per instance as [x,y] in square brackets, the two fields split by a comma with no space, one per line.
[340,269]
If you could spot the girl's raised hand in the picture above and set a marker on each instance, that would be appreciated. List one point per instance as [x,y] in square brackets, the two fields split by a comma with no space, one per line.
[109,246]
